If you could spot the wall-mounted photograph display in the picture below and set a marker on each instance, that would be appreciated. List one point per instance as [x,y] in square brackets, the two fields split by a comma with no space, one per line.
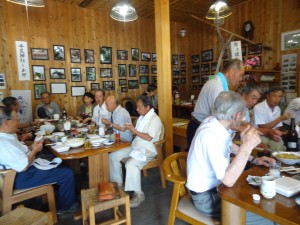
[57,73]
[146,56]
[77,91]
[124,89]
[213,66]
[175,71]
[195,58]
[59,52]
[95,86]
[108,85]
[176,81]
[133,84]
[154,57]
[58,88]
[106,73]
[194,87]
[122,70]
[255,49]
[207,55]
[183,72]
[75,55]
[143,69]
[89,56]
[90,73]
[290,40]
[76,74]
[183,80]
[195,69]
[122,54]
[182,58]
[39,54]
[132,70]
[38,90]
[153,69]
[154,79]
[195,79]
[105,55]
[205,67]
[135,54]
[122,82]
[174,59]
[144,79]
[204,78]
[244,50]
[38,72]
[183,65]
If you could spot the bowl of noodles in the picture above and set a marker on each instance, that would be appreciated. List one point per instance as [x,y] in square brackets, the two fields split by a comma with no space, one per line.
[289,158]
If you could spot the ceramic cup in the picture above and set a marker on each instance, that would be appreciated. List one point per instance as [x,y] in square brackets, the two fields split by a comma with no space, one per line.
[268,187]
[56,116]
[101,131]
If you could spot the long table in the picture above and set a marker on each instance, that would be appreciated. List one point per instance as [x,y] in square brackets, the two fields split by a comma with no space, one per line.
[237,199]
[98,163]
[179,133]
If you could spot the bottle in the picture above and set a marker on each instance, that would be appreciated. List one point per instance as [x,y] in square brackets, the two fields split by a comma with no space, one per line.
[87,144]
[118,138]
[292,138]
[64,115]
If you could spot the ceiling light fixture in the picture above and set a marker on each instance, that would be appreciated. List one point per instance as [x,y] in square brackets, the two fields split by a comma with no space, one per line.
[32,3]
[219,9]
[123,11]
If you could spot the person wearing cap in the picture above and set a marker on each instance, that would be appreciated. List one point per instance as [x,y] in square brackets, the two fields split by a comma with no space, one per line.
[294,109]
[47,108]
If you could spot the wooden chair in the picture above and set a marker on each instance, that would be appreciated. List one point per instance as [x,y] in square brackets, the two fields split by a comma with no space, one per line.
[9,196]
[181,205]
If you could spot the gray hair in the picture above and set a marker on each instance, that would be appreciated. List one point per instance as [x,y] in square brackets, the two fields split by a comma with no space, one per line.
[237,64]
[5,114]
[249,88]
[227,104]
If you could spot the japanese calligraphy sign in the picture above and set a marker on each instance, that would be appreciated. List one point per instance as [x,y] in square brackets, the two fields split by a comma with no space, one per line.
[236,50]
[22,60]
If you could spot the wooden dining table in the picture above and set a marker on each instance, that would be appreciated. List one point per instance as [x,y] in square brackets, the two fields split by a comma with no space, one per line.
[237,199]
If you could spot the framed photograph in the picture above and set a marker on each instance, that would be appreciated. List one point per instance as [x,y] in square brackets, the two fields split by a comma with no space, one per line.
[174,59]
[244,50]
[76,74]
[38,72]
[146,56]
[183,80]
[213,66]
[143,69]
[207,55]
[205,67]
[59,52]
[122,70]
[108,85]
[58,88]
[122,82]
[38,90]
[124,89]
[195,58]
[95,86]
[176,71]
[132,70]
[144,79]
[183,72]
[154,79]
[75,55]
[176,81]
[106,73]
[183,65]
[194,87]
[39,54]
[195,69]
[77,90]
[225,54]
[182,58]
[105,55]
[122,54]
[89,56]
[290,40]
[57,73]
[90,73]
[195,79]
[153,69]
[135,54]
[133,84]
[255,49]
[153,57]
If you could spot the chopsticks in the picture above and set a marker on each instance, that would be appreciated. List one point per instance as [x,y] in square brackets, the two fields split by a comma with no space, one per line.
[285,169]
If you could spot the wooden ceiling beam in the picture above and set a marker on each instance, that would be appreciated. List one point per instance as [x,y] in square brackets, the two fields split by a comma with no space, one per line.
[85,3]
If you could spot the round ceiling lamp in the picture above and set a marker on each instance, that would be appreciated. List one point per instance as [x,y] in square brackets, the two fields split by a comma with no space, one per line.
[31,3]
[123,11]
[219,9]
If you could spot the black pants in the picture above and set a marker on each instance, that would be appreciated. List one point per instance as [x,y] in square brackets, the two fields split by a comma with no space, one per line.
[191,130]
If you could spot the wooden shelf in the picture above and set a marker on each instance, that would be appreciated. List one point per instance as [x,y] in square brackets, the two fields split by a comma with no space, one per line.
[266,71]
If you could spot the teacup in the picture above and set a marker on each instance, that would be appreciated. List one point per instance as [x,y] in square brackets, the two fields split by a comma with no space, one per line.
[56,116]
[268,187]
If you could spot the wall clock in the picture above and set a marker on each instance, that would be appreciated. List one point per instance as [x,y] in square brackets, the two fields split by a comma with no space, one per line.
[248,29]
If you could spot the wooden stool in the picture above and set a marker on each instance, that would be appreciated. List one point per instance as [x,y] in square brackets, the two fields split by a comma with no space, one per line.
[25,216]
[90,206]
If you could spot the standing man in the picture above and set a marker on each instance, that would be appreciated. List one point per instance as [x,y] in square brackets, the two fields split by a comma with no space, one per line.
[47,108]
[100,111]
[233,72]
[148,130]
[119,117]
[209,160]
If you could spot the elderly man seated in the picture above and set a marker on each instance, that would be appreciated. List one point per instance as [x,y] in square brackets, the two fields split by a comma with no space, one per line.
[47,108]
[148,130]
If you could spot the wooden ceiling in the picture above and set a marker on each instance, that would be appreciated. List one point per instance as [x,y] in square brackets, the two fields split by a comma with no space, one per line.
[180,10]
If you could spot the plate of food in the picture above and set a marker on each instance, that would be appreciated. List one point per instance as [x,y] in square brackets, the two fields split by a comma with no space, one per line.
[59,134]
[108,142]
[74,142]
[289,158]
[254,180]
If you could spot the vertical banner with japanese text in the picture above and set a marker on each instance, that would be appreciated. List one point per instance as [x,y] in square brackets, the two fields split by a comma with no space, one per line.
[22,60]
[236,50]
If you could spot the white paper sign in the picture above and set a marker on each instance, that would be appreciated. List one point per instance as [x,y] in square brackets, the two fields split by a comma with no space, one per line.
[236,50]
[22,60]
[25,109]
[2,81]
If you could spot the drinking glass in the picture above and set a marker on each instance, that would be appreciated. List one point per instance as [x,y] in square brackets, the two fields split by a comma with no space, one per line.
[275,169]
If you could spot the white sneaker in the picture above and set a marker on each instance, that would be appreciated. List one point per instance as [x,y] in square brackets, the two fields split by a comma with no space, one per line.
[136,200]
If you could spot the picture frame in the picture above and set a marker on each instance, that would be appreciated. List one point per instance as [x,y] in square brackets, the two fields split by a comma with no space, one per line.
[77,91]
[183,80]
[205,67]
[75,55]
[38,72]
[76,75]
[105,55]
[133,84]
[124,89]
[195,69]
[213,66]
[175,71]
[146,56]
[174,59]
[122,82]
[132,70]
[182,72]
[58,88]
[183,65]
[122,54]
[290,40]
[90,73]
[143,69]
[144,79]
[182,58]
[122,72]
[95,86]
[106,73]
[57,73]
[154,79]
[244,50]
[135,54]
[108,85]
[39,54]
[59,52]
[176,81]
[195,79]
[39,89]
[194,87]
[153,69]
[207,55]
[89,56]
[255,49]
[195,58]
[154,57]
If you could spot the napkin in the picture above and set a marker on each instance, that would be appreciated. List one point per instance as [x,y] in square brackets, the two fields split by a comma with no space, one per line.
[61,148]
[44,164]
[139,154]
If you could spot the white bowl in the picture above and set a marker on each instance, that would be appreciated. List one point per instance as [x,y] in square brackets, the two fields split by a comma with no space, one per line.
[278,156]
[59,134]
[74,142]
[46,127]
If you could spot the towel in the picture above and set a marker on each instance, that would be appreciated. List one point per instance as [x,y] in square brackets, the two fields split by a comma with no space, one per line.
[139,154]
[143,121]
[44,164]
